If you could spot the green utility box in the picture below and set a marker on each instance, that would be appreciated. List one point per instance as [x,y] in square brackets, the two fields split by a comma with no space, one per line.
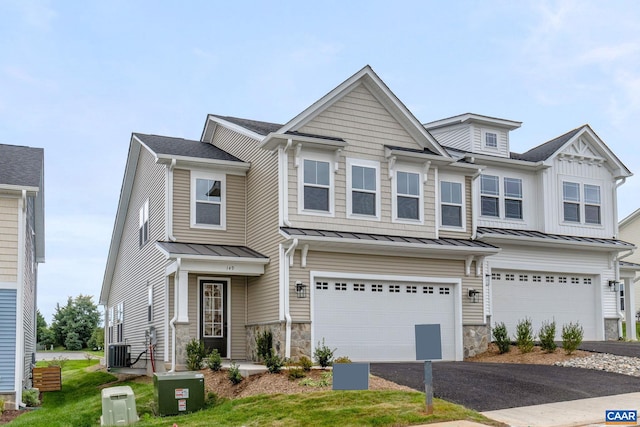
[118,406]
[178,392]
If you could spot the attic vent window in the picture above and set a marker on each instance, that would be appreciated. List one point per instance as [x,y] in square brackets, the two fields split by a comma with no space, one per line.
[491,140]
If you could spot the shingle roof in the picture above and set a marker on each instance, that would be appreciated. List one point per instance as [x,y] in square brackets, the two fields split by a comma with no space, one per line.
[347,235]
[21,166]
[179,248]
[184,147]
[544,151]
[261,128]
[552,237]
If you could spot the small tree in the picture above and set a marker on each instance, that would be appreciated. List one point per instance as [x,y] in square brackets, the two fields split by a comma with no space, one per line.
[96,342]
[501,337]
[547,337]
[195,354]
[323,354]
[524,335]
[571,337]
[73,342]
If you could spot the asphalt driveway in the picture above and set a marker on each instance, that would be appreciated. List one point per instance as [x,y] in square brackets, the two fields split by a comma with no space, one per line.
[492,386]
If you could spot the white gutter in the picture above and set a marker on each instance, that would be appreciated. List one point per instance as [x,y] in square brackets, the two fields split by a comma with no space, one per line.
[175,317]
[288,259]
[169,205]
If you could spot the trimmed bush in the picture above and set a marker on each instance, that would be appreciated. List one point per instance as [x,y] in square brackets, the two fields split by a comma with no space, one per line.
[274,362]
[195,354]
[234,373]
[524,335]
[323,354]
[501,337]
[547,337]
[264,344]
[214,360]
[342,359]
[30,397]
[305,363]
[572,335]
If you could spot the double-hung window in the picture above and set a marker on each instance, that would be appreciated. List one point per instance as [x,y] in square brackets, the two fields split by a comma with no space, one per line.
[513,198]
[143,229]
[116,323]
[575,207]
[363,188]
[208,200]
[490,195]
[451,204]
[408,196]
[316,186]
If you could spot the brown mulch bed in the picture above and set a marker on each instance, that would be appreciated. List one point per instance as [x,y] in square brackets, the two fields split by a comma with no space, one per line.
[9,415]
[535,357]
[266,383]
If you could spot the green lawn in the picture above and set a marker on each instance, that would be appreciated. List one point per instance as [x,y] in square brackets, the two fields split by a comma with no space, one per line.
[624,330]
[79,404]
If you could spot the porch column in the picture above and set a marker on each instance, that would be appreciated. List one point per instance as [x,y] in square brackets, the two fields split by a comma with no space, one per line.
[182,296]
[630,309]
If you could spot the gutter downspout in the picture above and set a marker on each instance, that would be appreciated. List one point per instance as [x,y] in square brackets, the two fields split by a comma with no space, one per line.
[170,168]
[287,315]
[175,317]
[474,220]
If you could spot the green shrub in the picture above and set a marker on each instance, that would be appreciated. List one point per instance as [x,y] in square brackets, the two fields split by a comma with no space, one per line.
[547,337]
[524,335]
[572,335]
[31,396]
[214,360]
[323,354]
[295,372]
[264,344]
[234,373]
[274,362]
[195,354]
[501,338]
[1,406]
[325,380]
[57,361]
[305,363]
[73,342]
[342,359]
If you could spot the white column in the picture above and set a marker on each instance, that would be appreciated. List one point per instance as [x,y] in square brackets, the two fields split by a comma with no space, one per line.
[630,309]
[182,296]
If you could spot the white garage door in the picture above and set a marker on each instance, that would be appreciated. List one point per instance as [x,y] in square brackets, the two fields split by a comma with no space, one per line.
[544,297]
[374,321]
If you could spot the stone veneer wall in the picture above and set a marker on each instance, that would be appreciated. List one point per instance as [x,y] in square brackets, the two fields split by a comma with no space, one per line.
[182,339]
[9,401]
[475,339]
[611,332]
[300,338]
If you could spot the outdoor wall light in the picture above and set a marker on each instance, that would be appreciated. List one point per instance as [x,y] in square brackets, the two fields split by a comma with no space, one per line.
[301,289]
[473,294]
[614,286]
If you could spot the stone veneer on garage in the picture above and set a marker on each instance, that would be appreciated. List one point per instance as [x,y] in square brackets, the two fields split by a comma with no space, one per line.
[611,332]
[300,338]
[475,339]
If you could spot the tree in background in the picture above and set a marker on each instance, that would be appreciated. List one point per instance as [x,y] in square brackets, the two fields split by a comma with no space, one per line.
[96,342]
[44,334]
[79,317]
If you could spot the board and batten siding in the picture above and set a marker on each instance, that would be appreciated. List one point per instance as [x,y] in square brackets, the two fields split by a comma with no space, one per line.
[8,239]
[8,301]
[137,267]
[235,231]
[262,220]
[472,313]
[360,119]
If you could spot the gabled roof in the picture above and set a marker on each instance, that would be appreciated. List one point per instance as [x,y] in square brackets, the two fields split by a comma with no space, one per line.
[21,166]
[261,128]
[367,77]
[546,150]
[629,218]
[169,146]
[473,118]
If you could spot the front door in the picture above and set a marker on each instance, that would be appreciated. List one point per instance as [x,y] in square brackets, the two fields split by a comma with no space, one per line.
[213,315]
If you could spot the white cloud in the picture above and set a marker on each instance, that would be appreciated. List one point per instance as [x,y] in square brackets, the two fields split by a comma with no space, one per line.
[37,14]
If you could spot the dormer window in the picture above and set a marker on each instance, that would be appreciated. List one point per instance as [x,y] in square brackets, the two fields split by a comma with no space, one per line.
[491,140]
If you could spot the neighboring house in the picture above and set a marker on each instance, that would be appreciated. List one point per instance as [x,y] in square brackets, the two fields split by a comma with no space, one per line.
[21,250]
[350,224]
[630,231]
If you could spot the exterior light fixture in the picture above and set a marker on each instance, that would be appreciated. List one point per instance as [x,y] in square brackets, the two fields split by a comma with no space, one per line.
[614,286]
[301,290]
[473,294]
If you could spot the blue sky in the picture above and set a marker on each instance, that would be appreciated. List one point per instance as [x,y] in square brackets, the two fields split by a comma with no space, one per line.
[77,78]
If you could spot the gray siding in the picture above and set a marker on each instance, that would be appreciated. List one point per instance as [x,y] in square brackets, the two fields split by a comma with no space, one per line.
[235,206]
[262,220]
[136,266]
[7,339]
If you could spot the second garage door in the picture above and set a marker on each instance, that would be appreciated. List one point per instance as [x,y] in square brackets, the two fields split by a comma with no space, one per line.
[374,320]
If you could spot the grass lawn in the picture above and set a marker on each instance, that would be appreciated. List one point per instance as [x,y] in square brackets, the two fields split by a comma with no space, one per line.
[624,329]
[79,404]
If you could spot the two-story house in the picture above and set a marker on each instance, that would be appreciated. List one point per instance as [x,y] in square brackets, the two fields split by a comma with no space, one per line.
[351,223]
[21,250]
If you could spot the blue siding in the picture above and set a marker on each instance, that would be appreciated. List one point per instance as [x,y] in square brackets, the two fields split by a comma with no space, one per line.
[7,339]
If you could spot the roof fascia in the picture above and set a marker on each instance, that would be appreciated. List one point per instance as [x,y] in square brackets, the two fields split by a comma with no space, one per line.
[379,89]
[473,118]
[536,241]
[231,126]
[412,156]
[237,168]
[505,162]
[18,188]
[629,218]
[121,214]
[276,139]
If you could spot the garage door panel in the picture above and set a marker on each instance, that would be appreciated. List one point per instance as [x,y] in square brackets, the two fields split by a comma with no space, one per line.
[378,323]
[557,299]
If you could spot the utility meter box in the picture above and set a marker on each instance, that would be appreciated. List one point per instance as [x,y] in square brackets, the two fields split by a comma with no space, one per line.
[178,392]
[118,407]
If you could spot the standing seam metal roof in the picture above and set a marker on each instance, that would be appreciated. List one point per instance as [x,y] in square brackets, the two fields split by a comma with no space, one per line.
[552,237]
[210,250]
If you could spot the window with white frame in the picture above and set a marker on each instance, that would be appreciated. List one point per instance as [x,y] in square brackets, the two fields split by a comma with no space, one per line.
[408,196]
[116,323]
[149,302]
[110,324]
[513,198]
[491,139]
[490,195]
[208,200]
[582,210]
[143,229]
[451,203]
[317,186]
[621,296]
[363,188]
